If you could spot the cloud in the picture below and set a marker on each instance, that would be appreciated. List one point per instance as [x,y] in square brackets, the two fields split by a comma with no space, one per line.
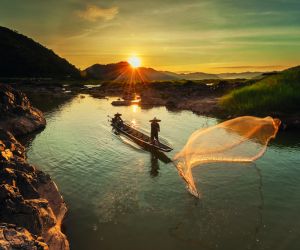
[92,13]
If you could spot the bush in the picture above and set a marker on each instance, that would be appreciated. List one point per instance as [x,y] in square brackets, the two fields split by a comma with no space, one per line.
[276,93]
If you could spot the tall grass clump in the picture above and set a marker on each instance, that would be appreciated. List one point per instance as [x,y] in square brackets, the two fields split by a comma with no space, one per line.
[276,93]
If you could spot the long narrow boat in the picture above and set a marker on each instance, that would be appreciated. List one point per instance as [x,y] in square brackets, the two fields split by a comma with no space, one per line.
[140,138]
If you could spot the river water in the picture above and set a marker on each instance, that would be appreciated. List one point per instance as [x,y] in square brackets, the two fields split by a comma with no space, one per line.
[121,197]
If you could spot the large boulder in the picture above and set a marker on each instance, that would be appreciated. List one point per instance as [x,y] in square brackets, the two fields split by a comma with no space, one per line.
[16,113]
[13,237]
[28,199]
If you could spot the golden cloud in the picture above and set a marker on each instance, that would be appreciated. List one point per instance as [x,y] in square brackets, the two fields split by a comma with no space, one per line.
[93,13]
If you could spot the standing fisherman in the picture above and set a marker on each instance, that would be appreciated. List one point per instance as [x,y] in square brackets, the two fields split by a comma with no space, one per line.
[154,129]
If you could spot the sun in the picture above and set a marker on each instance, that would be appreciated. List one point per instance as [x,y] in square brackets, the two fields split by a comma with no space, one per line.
[134,61]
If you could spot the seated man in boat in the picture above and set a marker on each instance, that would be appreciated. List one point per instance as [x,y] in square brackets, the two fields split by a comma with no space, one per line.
[154,129]
[118,120]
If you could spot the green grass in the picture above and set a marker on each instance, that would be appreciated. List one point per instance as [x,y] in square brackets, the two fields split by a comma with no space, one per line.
[276,93]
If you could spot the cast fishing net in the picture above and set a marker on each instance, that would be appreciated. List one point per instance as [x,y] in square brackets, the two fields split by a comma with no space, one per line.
[243,139]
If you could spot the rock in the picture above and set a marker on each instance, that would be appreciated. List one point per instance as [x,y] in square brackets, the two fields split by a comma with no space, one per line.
[16,113]
[171,104]
[28,199]
[10,148]
[30,202]
[12,237]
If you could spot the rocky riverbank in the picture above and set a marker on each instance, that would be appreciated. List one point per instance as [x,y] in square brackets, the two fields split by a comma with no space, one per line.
[31,206]
[16,113]
[201,98]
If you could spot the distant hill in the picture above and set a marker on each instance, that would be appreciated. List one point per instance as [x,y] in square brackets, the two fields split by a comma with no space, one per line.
[198,76]
[242,75]
[191,76]
[276,92]
[202,75]
[21,56]
[122,71]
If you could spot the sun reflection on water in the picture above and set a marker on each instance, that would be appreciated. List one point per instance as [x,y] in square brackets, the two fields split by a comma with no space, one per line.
[133,122]
[135,108]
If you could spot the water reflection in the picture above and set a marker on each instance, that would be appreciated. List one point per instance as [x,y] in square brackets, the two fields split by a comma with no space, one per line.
[135,108]
[154,165]
[155,157]
[286,139]
[109,186]
[46,104]
[261,204]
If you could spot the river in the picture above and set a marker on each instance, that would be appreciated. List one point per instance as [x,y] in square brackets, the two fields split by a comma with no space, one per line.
[122,197]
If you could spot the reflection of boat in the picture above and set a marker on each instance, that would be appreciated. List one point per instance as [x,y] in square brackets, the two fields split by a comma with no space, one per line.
[140,138]
[120,102]
[161,156]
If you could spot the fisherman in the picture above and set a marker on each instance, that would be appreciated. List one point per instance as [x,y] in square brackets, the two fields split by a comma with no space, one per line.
[118,120]
[154,129]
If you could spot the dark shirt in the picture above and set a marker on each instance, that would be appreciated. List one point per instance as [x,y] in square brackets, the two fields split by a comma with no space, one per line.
[117,120]
[154,128]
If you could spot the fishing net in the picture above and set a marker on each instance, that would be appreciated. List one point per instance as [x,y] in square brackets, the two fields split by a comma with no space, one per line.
[243,139]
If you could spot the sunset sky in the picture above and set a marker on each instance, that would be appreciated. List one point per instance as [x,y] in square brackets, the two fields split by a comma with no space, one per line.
[186,35]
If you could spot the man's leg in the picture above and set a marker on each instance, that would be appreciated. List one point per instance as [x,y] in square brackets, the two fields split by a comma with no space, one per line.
[152,138]
[156,137]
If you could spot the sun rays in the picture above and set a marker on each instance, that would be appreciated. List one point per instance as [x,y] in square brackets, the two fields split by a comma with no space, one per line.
[130,75]
[134,62]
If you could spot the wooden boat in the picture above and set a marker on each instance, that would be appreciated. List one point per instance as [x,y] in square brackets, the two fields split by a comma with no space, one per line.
[140,138]
[121,103]
[125,102]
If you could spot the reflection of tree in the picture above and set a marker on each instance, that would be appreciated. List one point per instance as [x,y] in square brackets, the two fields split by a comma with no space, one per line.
[261,205]
[287,139]
[46,104]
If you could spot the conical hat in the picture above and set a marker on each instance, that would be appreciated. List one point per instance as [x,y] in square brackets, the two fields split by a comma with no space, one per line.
[118,114]
[155,120]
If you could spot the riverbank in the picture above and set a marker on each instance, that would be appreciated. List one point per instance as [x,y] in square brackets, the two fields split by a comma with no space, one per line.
[277,95]
[202,97]
[32,208]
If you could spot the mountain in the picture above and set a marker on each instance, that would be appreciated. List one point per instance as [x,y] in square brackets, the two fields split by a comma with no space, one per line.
[198,76]
[122,71]
[202,76]
[242,75]
[23,57]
